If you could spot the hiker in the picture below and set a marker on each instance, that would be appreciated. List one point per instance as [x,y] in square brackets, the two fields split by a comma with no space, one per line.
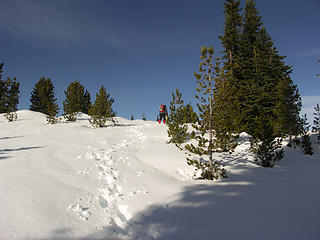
[163,113]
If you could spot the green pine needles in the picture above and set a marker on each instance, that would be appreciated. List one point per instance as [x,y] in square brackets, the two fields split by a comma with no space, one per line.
[9,97]
[102,111]
[217,116]
[77,100]
[316,122]
[306,145]
[177,128]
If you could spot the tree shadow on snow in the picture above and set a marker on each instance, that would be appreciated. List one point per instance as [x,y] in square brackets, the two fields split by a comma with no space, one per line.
[6,150]
[253,203]
[6,138]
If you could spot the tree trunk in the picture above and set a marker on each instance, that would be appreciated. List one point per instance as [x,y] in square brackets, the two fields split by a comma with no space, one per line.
[210,126]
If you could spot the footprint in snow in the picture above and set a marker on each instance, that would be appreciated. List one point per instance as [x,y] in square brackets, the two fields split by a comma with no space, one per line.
[82,212]
[139,174]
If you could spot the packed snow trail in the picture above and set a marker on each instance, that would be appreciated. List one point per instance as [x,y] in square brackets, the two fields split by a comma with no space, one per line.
[69,181]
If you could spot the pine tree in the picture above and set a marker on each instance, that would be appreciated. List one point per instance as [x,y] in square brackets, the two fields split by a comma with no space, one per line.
[316,121]
[42,96]
[288,107]
[102,111]
[189,116]
[9,96]
[53,110]
[12,99]
[3,91]
[231,34]
[132,118]
[77,100]
[86,102]
[177,129]
[265,145]
[306,145]
[144,117]
[226,110]
[208,72]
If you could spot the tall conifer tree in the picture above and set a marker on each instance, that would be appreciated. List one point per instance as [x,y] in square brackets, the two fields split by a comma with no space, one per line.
[209,72]
[232,33]
[3,91]
[42,96]
[12,98]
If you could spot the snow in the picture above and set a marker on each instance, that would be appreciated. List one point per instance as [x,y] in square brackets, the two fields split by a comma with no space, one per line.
[70,181]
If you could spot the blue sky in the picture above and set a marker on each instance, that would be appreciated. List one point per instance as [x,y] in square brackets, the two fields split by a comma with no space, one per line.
[142,50]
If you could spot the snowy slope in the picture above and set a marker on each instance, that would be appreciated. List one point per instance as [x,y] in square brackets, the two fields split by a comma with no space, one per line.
[69,181]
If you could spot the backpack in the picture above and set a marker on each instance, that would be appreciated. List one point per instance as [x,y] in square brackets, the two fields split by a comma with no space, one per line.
[162,108]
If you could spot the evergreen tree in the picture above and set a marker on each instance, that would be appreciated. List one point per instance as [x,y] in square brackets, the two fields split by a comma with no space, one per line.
[177,129]
[9,96]
[77,100]
[306,145]
[225,112]
[132,118]
[102,111]
[208,72]
[232,33]
[1,66]
[86,102]
[316,121]
[288,107]
[53,110]
[158,118]
[144,117]
[3,91]
[12,99]
[42,96]
[189,115]
[266,145]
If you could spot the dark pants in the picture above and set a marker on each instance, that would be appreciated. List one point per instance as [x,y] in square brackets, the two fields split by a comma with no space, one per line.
[162,117]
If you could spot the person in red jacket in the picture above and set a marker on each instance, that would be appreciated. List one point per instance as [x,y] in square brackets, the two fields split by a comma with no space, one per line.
[163,113]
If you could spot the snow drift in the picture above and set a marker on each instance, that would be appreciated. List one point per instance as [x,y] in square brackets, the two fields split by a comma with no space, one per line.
[69,181]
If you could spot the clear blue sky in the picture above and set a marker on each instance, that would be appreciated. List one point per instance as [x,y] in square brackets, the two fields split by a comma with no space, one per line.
[141,50]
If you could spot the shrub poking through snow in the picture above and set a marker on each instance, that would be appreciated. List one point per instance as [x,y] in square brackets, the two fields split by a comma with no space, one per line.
[101,111]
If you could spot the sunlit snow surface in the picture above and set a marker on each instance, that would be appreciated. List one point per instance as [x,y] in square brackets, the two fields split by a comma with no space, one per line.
[70,181]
